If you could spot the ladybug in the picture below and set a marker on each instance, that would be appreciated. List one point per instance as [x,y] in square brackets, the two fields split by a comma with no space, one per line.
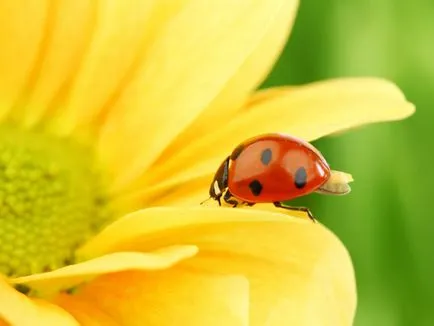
[273,168]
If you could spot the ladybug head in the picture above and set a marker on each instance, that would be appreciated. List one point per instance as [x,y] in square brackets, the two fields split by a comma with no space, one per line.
[220,181]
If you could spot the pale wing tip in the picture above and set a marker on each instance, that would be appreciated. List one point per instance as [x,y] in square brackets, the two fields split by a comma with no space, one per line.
[337,184]
[409,110]
[341,177]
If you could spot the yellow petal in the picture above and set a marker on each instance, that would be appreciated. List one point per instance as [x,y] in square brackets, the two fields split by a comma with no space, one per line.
[188,64]
[247,79]
[116,43]
[161,219]
[67,29]
[18,310]
[22,28]
[330,106]
[308,112]
[169,297]
[72,275]
[285,259]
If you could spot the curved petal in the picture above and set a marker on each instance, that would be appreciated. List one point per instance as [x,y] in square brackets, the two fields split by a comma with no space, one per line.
[22,28]
[308,112]
[285,259]
[188,64]
[246,80]
[160,219]
[72,275]
[19,310]
[162,298]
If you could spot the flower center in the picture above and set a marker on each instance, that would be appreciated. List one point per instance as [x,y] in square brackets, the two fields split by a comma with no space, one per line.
[51,201]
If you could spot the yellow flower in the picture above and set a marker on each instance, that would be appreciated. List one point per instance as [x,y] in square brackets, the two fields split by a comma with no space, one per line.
[110,109]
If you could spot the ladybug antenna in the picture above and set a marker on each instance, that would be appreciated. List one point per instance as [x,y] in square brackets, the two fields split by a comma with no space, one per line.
[205,200]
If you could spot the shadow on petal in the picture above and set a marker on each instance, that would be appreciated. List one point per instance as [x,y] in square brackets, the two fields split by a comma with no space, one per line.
[19,310]
[47,284]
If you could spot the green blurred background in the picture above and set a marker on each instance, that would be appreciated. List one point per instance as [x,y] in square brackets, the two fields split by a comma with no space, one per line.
[386,222]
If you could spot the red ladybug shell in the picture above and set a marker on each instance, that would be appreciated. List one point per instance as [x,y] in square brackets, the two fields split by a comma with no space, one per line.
[274,168]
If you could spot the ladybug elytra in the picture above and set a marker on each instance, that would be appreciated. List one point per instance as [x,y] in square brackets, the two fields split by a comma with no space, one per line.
[274,168]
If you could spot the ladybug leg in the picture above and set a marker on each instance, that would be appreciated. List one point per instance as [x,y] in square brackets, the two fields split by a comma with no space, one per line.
[298,209]
[228,198]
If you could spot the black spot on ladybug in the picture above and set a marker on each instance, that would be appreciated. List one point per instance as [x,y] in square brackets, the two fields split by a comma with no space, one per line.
[237,151]
[300,177]
[255,187]
[266,156]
